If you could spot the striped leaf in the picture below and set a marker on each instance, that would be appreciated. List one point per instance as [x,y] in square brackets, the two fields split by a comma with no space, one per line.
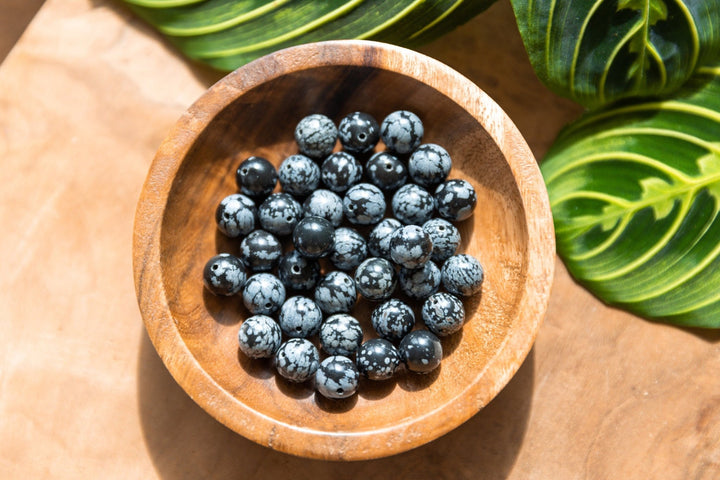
[599,51]
[635,194]
[230,33]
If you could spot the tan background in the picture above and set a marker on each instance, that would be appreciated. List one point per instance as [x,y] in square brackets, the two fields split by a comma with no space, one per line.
[86,96]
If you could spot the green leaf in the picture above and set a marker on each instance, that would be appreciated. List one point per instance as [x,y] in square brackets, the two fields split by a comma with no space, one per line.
[229,33]
[635,195]
[599,51]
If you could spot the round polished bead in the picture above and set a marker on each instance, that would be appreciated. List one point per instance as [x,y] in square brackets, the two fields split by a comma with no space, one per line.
[259,337]
[236,215]
[300,317]
[421,351]
[364,204]
[341,334]
[443,314]
[413,205]
[260,251]
[279,214]
[386,172]
[337,377]
[316,135]
[455,200]
[410,246]
[378,359]
[445,237]
[429,165]
[462,275]
[393,320]
[376,279]
[336,293]
[263,294]
[314,237]
[297,360]
[256,177]
[340,171]
[419,283]
[224,274]
[326,204]
[297,272]
[401,131]
[349,250]
[299,175]
[359,132]
[380,236]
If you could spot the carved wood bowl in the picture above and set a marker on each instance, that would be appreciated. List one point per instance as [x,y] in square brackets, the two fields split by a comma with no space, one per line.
[253,111]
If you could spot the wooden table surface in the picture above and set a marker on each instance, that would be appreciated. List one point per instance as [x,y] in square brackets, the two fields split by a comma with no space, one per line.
[86,96]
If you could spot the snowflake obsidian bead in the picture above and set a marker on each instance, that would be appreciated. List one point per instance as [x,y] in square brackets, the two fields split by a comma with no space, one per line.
[297,272]
[349,250]
[443,314]
[340,171]
[364,204]
[316,135]
[260,251]
[419,283]
[336,293]
[297,360]
[337,377]
[341,334]
[256,177]
[299,175]
[224,274]
[375,279]
[300,317]
[413,205]
[410,246]
[259,337]
[380,237]
[263,294]
[445,237]
[462,275]
[455,200]
[429,165]
[378,359]
[386,172]
[359,132]
[402,131]
[421,351]
[326,204]
[236,215]
[314,237]
[279,214]
[393,320]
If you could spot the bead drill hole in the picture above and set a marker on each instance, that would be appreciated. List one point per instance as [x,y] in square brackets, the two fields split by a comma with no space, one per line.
[362,137]
[214,267]
[388,166]
[243,171]
[339,391]
[295,269]
[268,305]
[289,218]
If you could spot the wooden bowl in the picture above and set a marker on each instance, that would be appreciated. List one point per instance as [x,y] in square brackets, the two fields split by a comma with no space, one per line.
[253,111]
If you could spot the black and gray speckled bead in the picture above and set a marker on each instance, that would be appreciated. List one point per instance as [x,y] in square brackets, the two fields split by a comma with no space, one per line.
[259,337]
[297,272]
[340,171]
[364,204]
[337,377]
[314,237]
[421,351]
[462,275]
[359,132]
[376,279]
[256,177]
[413,205]
[326,204]
[402,131]
[297,360]
[341,334]
[378,359]
[300,317]
[445,237]
[455,200]
[386,172]
[236,215]
[380,236]
[419,283]
[279,214]
[349,250]
[443,314]
[410,246]
[263,294]
[316,135]
[336,293]
[429,165]
[260,251]
[299,175]
[224,274]
[393,320]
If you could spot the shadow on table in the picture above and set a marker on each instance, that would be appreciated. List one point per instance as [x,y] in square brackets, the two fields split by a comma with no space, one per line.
[184,442]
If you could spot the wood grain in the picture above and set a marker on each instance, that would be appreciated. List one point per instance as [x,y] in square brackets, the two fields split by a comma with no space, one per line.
[86,97]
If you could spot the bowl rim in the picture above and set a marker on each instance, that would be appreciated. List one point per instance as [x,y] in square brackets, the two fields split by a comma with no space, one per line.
[299,440]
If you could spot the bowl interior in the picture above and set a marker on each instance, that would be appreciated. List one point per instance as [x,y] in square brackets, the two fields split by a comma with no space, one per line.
[261,122]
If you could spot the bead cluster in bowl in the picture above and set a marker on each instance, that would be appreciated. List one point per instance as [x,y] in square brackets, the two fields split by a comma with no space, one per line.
[291,302]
